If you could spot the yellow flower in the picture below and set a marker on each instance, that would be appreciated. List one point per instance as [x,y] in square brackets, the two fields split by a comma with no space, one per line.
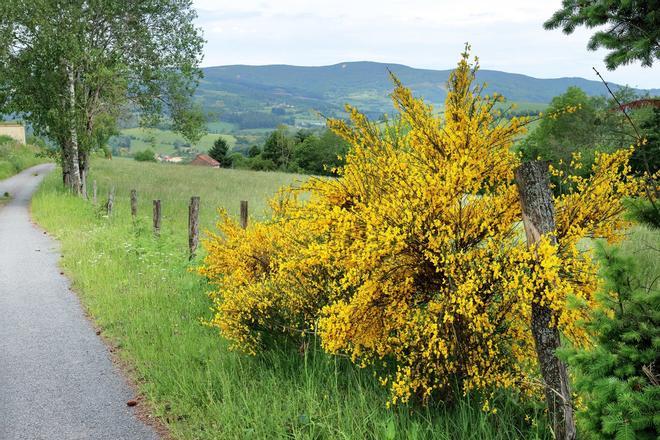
[414,254]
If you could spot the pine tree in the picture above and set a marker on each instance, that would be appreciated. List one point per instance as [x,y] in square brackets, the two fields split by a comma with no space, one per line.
[219,152]
[633,32]
[618,379]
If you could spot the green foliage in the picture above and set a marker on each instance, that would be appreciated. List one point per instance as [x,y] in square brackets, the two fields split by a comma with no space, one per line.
[618,378]
[646,210]
[254,151]
[646,164]
[319,155]
[633,32]
[219,152]
[592,127]
[304,151]
[145,156]
[646,157]
[278,148]
[258,163]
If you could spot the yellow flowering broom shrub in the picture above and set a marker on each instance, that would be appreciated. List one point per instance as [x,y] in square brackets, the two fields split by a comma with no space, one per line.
[413,259]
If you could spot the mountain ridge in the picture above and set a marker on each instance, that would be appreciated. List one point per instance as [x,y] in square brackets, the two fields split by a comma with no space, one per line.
[236,89]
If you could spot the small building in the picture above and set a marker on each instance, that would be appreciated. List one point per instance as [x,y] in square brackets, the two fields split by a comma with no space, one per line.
[170,159]
[13,130]
[204,160]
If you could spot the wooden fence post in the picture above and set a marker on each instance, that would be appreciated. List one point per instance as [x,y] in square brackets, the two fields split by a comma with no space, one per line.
[94,193]
[157,217]
[193,226]
[133,204]
[111,201]
[538,214]
[244,214]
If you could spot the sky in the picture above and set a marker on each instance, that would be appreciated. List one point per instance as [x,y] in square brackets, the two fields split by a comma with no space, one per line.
[507,35]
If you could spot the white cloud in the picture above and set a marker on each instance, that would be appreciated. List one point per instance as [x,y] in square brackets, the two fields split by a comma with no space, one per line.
[506,35]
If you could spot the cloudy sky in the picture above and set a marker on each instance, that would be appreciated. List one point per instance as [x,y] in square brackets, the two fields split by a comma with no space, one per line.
[507,35]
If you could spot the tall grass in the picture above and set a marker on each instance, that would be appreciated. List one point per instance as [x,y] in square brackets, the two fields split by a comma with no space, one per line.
[15,157]
[140,290]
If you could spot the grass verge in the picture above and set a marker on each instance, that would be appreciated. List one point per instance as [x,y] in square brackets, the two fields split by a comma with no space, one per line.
[141,293]
[15,157]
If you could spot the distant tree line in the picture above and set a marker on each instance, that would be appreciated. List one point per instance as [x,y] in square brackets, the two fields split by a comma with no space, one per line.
[301,151]
[257,119]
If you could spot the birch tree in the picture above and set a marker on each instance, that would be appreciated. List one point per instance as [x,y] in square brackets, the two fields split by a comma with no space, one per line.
[71,69]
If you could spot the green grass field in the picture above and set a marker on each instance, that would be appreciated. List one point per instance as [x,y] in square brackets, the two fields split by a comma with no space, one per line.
[162,141]
[142,293]
[15,157]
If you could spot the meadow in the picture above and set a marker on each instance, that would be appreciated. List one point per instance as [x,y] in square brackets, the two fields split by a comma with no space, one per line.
[163,141]
[150,305]
[15,157]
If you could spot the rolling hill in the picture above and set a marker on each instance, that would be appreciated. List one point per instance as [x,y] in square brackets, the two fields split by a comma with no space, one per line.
[244,103]
[295,91]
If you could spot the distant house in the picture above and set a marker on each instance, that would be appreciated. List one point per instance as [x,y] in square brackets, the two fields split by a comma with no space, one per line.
[204,160]
[15,131]
[170,159]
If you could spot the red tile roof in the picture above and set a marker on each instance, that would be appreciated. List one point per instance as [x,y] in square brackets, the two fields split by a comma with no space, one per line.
[205,160]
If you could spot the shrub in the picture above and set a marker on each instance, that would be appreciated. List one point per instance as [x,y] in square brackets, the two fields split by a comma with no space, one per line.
[619,377]
[254,151]
[260,164]
[412,260]
[145,156]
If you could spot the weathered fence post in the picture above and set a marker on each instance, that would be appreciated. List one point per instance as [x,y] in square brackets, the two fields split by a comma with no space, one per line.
[193,226]
[111,201]
[538,214]
[134,204]
[244,214]
[157,217]
[94,192]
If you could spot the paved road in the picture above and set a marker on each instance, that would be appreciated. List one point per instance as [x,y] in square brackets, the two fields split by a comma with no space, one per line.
[56,378]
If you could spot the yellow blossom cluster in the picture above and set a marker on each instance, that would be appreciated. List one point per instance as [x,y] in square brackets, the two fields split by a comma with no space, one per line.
[413,259]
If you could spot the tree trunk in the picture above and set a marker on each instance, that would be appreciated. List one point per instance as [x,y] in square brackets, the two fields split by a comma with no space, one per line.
[538,218]
[244,214]
[83,163]
[66,175]
[193,226]
[71,147]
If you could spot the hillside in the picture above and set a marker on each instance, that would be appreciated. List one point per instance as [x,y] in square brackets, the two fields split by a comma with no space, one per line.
[296,90]
[244,103]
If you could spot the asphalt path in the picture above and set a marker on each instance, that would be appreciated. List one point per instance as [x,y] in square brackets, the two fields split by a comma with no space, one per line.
[57,380]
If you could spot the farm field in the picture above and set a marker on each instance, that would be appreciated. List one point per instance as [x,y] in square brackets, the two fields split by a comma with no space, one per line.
[153,314]
[163,141]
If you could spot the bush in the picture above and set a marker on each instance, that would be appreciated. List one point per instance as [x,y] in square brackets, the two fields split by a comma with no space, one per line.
[145,156]
[260,164]
[254,151]
[411,260]
[619,377]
